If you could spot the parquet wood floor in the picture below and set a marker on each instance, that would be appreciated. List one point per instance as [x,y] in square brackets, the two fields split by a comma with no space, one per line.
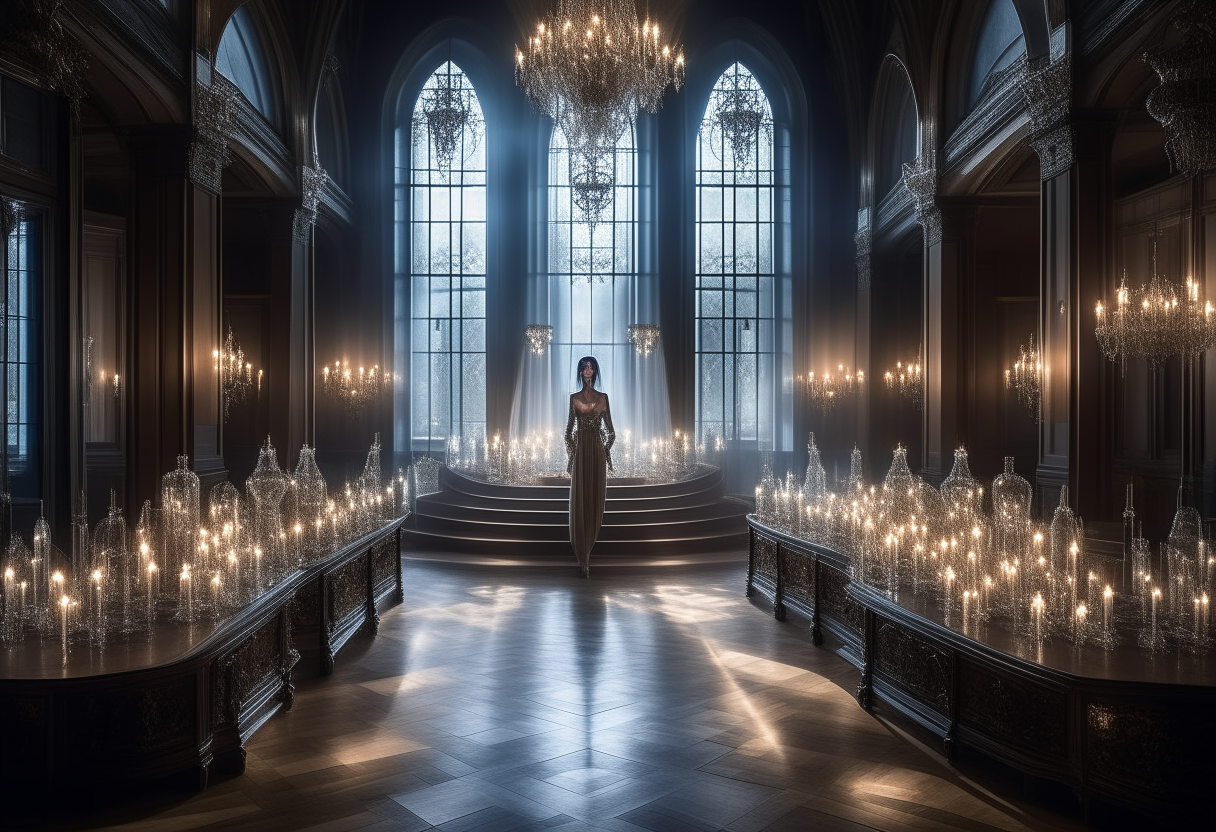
[521,698]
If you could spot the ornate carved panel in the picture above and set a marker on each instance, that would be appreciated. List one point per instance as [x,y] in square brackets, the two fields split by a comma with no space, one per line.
[384,560]
[124,721]
[831,591]
[240,672]
[348,588]
[918,666]
[304,607]
[1012,710]
[1151,747]
[798,577]
[766,558]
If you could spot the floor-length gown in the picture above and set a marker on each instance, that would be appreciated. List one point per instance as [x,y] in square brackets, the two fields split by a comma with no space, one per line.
[589,438]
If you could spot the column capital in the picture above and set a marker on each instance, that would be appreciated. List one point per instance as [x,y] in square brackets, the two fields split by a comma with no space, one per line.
[1047,92]
[312,183]
[920,178]
[10,214]
[214,123]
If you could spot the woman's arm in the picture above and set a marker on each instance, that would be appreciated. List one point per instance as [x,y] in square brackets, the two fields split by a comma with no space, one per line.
[609,432]
[570,437]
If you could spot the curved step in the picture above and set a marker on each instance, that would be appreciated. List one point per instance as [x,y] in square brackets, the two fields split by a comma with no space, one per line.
[705,479]
[559,528]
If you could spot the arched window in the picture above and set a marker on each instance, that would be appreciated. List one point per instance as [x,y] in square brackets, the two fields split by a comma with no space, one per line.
[1000,43]
[736,361]
[899,131]
[592,270]
[441,227]
[243,60]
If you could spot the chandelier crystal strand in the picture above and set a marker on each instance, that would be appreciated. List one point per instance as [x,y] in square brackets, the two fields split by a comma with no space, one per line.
[1025,378]
[592,67]
[644,337]
[538,337]
[355,389]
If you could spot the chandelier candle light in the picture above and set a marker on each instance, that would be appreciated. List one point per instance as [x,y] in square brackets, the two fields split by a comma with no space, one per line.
[355,390]
[1025,378]
[644,337]
[538,336]
[591,67]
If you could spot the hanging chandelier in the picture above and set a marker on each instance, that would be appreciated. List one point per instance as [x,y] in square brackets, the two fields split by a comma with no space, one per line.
[355,390]
[1184,102]
[1156,322]
[644,337]
[538,337]
[236,374]
[826,390]
[907,381]
[591,67]
[1025,378]
[740,115]
[449,112]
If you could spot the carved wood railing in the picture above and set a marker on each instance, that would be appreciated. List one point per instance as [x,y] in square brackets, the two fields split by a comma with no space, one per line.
[183,714]
[1131,742]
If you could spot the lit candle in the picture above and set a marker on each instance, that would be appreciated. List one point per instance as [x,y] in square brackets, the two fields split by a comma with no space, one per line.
[1036,608]
[1108,606]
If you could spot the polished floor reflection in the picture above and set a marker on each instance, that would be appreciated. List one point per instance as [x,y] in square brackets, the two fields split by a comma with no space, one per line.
[523,697]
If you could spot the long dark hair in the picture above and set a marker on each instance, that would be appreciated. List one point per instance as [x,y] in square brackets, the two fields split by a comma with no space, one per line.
[578,374]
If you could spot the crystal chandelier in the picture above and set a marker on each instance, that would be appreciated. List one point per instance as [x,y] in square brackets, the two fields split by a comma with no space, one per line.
[538,337]
[1184,102]
[236,374]
[1156,322]
[644,337]
[907,381]
[1025,378]
[591,67]
[356,390]
[740,114]
[825,390]
[449,112]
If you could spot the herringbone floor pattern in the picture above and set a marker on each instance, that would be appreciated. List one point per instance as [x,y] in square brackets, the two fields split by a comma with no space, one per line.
[648,698]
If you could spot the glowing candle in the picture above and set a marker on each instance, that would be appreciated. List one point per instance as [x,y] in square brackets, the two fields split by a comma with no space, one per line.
[1108,606]
[1036,608]
[1079,624]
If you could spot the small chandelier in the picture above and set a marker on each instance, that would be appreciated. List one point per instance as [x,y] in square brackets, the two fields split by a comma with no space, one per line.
[644,337]
[356,390]
[740,114]
[591,183]
[907,381]
[1025,378]
[538,336]
[825,390]
[236,374]
[1156,322]
[591,67]
[449,111]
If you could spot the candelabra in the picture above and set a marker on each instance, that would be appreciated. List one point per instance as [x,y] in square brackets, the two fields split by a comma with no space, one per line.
[538,337]
[644,337]
[355,390]
[827,389]
[236,374]
[906,381]
[1025,378]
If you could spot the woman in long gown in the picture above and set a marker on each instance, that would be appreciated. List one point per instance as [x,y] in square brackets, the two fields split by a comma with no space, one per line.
[589,438]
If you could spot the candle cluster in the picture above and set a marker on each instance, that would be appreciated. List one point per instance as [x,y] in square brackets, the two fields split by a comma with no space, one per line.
[182,564]
[525,460]
[980,557]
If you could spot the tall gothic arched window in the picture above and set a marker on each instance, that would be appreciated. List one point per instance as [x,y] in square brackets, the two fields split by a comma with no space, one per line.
[736,350]
[592,271]
[441,228]
[243,59]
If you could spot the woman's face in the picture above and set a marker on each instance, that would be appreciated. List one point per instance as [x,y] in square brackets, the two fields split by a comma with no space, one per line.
[588,372]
